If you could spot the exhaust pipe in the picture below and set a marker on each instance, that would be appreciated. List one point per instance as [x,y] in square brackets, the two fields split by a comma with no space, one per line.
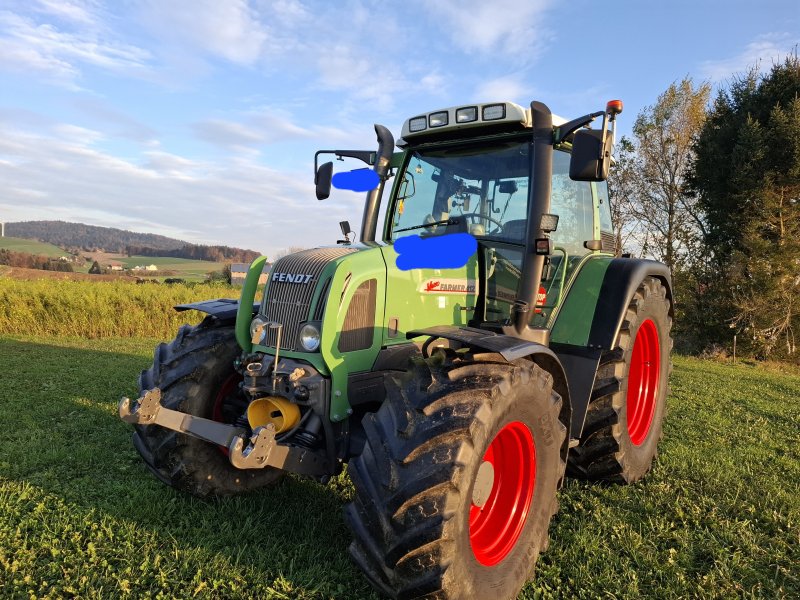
[369,221]
[539,204]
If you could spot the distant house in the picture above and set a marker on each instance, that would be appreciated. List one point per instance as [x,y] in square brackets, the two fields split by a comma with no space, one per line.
[145,268]
[115,266]
[239,272]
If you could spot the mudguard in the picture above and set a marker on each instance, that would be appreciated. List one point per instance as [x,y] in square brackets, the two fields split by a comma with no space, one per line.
[223,309]
[510,348]
[620,283]
[590,318]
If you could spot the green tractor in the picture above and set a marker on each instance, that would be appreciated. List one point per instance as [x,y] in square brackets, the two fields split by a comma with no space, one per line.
[459,387]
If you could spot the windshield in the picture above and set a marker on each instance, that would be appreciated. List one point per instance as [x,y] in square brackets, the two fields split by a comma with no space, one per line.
[482,190]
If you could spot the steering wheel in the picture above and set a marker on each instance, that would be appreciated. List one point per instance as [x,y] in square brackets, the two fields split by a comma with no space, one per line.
[479,216]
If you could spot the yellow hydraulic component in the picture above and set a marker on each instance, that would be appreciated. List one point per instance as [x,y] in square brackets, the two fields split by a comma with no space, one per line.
[273,409]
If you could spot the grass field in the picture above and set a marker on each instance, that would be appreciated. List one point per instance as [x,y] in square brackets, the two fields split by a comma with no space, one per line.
[31,247]
[108,309]
[191,269]
[80,516]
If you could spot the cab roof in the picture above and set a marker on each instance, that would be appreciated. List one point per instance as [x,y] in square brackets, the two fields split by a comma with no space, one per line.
[491,116]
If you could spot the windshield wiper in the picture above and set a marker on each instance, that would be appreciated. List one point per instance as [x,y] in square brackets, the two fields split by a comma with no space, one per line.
[445,222]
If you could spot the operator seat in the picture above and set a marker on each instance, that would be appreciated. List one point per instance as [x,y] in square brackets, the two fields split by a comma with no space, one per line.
[515,230]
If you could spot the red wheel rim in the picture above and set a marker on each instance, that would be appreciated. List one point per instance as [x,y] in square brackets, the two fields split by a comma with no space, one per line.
[495,526]
[643,377]
[227,388]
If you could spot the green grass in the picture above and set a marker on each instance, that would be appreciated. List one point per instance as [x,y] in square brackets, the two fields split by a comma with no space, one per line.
[81,517]
[32,247]
[106,309]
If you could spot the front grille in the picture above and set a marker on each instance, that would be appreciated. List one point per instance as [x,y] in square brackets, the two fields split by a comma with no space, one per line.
[289,303]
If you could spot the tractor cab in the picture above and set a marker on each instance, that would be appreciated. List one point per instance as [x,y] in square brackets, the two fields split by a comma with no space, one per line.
[482,187]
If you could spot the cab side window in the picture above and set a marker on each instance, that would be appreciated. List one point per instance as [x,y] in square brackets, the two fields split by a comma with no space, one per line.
[572,202]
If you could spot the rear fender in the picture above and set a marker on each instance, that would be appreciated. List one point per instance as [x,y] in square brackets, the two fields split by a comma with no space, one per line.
[623,277]
[601,293]
[510,348]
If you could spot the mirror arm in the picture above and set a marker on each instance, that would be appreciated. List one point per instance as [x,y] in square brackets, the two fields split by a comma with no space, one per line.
[366,156]
[567,129]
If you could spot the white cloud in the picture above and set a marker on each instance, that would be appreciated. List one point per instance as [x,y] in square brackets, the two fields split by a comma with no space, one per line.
[227,134]
[509,87]
[81,135]
[376,82]
[498,27]
[760,53]
[229,29]
[115,123]
[234,201]
[75,10]
[42,48]
[261,126]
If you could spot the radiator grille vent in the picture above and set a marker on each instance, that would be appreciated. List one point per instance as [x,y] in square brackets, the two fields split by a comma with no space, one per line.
[319,311]
[289,303]
[359,323]
[609,242]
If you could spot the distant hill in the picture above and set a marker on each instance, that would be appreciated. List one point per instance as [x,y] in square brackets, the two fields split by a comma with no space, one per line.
[31,247]
[78,237]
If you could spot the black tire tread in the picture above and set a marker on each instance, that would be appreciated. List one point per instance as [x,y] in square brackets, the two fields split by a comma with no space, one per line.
[406,485]
[600,453]
[183,370]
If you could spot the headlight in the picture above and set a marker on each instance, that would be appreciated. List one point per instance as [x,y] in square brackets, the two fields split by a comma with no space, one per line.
[438,119]
[309,337]
[258,330]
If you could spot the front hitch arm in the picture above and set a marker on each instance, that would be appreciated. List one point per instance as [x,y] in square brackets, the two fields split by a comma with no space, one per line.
[245,452]
[147,410]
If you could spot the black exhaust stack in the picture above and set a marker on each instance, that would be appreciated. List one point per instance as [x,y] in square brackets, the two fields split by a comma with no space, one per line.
[538,204]
[371,207]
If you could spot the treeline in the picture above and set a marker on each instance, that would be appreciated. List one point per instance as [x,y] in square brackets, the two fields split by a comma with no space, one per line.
[712,189]
[33,261]
[197,252]
[79,236]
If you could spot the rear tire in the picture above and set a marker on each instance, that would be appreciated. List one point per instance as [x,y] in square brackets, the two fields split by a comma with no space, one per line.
[624,420]
[196,376]
[456,485]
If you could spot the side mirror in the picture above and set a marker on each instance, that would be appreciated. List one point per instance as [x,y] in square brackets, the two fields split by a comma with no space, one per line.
[591,155]
[509,186]
[323,180]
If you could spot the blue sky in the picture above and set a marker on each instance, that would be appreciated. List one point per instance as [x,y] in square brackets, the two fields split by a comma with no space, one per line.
[199,118]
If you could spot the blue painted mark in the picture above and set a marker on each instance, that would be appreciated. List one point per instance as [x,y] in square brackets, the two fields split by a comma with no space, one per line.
[441,252]
[358,180]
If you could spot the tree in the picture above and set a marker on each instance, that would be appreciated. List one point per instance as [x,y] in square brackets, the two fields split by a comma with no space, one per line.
[747,175]
[286,252]
[650,185]
[622,196]
[96,269]
[654,212]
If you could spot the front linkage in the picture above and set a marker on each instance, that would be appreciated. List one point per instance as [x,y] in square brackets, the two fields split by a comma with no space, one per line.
[255,451]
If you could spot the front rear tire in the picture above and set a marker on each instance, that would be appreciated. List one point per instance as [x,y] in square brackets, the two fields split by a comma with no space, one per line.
[626,412]
[456,485]
[196,376]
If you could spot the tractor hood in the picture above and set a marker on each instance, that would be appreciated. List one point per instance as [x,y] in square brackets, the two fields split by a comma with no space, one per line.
[295,283]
